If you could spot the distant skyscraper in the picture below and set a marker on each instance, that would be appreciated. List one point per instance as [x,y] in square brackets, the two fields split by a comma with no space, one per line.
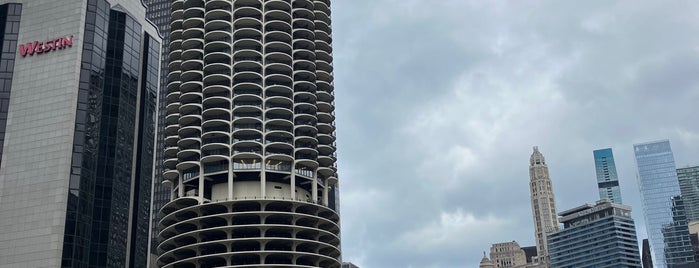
[607,179]
[689,187]
[508,254]
[603,235]
[543,204]
[662,205]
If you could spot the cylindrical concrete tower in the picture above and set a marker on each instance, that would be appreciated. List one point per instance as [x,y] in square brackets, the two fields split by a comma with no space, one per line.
[250,136]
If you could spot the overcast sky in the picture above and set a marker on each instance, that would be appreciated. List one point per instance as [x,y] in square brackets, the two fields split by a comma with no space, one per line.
[439,103]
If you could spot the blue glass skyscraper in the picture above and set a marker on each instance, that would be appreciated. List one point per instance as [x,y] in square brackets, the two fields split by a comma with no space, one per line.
[607,179]
[666,222]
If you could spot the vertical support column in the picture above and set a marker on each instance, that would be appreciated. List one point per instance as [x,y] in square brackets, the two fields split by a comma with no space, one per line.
[230,179]
[314,187]
[263,182]
[325,193]
[180,185]
[200,191]
[293,182]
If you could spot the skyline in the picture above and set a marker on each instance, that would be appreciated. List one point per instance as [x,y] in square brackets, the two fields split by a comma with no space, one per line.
[428,112]
[442,103]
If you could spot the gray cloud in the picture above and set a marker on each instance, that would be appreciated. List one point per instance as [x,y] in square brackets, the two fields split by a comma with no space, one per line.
[438,106]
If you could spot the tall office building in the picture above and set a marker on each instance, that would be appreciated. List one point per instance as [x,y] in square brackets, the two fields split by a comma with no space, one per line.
[603,235]
[689,187]
[158,11]
[543,205]
[249,136]
[607,179]
[663,208]
[79,81]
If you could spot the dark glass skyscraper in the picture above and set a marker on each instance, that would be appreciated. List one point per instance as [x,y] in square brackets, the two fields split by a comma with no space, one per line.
[666,222]
[75,178]
[607,179]
[689,187]
[158,11]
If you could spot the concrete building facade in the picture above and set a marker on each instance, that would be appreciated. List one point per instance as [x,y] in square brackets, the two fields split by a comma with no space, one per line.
[250,136]
[79,81]
[603,235]
[508,254]
[543,205]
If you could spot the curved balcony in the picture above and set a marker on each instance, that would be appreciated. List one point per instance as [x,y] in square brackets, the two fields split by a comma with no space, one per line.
[278,47]
[175,44]
[322,6]
[190,33]
[323,65]
[280,26]
[190,97]
[218,20]
[190,66]
[192,54]
[323,46]
[304,22]
[322,25]
[278,5]
[216,127]
[217,57]
[218,4]
[324,76]
[324,56]
[247,55]
[279,69]
[320,35]
[174,85]
[325,86]
[218,46]
[248,23]
[222,35]
[193,21]
[220,13]
[278,41]
[242,11]
[305,13]
[278,57]
[216,91]
[301,33]
[192,143]
[278,15]
[176,9]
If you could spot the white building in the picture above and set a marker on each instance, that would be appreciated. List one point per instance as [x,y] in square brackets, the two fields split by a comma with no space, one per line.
[543,205]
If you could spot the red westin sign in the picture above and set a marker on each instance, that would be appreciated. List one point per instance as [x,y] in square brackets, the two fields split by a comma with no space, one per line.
[46,46]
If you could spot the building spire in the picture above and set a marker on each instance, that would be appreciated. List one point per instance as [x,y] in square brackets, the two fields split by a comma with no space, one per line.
[543,204]
[537,158]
